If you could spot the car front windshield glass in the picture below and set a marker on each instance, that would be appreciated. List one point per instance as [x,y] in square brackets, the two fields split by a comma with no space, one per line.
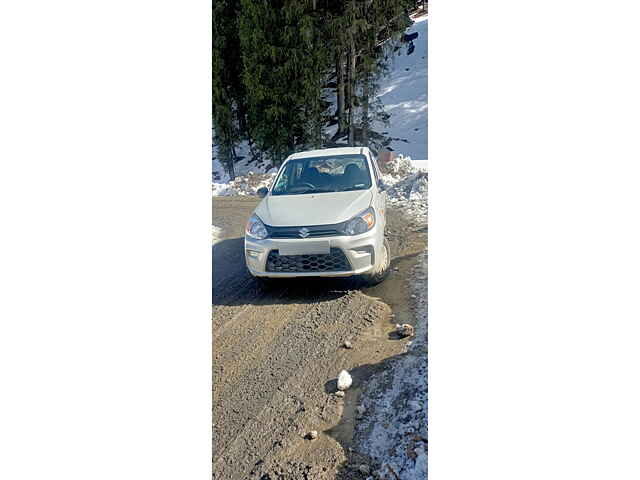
[338,173]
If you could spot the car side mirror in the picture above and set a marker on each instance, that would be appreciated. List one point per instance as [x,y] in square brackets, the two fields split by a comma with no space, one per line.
[381,186]
[262,192]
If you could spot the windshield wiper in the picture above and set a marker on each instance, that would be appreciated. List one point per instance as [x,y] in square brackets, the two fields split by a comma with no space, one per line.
[295,191]
[322,190]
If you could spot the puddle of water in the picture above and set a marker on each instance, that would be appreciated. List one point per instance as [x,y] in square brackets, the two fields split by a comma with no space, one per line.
[344,430]
[394,291]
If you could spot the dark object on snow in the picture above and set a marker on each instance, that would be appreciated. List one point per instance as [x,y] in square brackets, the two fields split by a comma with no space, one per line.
[412,47]
[409,38]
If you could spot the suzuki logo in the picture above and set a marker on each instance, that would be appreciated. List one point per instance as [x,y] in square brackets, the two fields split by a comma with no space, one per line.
[304,232]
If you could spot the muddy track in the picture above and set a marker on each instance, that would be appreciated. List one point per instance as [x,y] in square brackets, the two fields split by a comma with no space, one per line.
[276,356]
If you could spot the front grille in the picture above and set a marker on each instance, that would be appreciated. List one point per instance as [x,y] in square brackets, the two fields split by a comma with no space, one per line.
[335,261]
[313,231]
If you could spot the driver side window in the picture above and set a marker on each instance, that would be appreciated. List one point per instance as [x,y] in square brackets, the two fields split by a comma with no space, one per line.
[286,178]
[282,182]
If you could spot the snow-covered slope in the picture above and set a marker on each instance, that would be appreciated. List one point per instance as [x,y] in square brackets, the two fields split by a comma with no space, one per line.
[242,167]
[404,95]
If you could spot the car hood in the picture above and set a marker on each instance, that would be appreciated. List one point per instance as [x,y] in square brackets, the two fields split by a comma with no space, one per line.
[312,209]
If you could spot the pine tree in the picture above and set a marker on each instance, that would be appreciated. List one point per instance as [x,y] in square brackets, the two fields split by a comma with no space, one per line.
[285,66]
[228,94]
[273,59]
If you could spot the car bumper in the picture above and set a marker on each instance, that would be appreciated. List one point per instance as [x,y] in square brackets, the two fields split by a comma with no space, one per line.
[360,251]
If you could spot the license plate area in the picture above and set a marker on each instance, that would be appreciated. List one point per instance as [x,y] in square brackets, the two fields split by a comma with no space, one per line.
[304,248]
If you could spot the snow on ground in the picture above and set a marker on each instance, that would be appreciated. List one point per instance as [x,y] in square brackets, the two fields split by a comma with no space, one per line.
[404,95]
[395,433]
[219,174]
[245,185]
[242,167]
[406,186]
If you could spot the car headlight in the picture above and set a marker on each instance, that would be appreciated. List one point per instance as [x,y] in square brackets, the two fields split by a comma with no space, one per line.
[361,223]
[256,229]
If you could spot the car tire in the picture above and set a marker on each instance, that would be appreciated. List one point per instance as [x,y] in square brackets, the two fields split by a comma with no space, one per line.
[375,278]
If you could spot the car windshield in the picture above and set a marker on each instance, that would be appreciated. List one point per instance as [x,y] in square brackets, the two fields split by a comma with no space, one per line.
[339,173]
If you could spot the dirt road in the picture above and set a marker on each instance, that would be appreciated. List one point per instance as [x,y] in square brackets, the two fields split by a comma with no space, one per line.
[276,356]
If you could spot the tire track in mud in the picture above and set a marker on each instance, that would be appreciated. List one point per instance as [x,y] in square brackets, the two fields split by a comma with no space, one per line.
[275,356]
[290,376]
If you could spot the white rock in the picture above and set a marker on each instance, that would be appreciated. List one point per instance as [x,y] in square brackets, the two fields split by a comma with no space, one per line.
[347,344]
[344,380]
[313,435]
[340,394]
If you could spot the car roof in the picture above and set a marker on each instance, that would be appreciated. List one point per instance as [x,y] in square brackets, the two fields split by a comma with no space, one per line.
[328,151]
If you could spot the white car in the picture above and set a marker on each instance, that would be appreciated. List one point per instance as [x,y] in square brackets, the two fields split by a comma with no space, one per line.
[324,215]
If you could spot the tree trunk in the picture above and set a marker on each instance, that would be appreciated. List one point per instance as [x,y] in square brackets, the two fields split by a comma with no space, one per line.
[318,121]
[242,118]
[352,92]
[352,80]
[230,162]
[340,92]
[365,112]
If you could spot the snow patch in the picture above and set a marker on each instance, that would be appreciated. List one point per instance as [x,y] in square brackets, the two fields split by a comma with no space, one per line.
[407,186]
[244,185]
[404,95]
[219,174]
[243,167]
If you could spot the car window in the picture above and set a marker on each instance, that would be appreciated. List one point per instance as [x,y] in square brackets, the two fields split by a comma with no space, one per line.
[337,173]
[282,181]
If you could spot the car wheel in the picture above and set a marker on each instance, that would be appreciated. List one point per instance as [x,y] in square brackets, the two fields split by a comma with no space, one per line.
[383,270]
